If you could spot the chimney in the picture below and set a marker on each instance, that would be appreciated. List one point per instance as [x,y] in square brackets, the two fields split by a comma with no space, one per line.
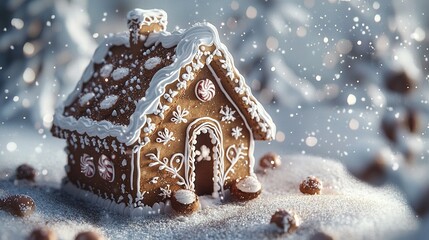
[144,22]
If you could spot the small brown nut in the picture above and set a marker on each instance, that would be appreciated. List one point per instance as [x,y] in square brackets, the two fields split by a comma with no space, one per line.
[19,205]
[25,172]
[89,235]
[413,120]
[184,201]
[400,82]
[42,234]
[311,186]
[285,221]
[270,161]
[375,173]
[321,236]
[245,189]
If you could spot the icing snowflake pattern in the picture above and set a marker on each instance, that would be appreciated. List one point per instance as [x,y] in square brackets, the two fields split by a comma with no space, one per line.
[179,115]
[205,90]
[165,136]
[165,192]
[227,114]
[203,154]
[236,132]
[87,166]
[106,168]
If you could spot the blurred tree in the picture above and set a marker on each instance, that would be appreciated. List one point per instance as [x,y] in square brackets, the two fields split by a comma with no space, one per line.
[44,47]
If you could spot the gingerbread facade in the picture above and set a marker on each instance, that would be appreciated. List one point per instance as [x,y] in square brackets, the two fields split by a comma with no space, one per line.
[156,112]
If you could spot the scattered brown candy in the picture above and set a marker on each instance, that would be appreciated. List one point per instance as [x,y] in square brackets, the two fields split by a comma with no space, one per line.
[89,235]
[422,207]
[285,221]
[321,236]
[18,205]
[390,129]
[400,82]
[311,186]
[25,172]
[245,189]
[413,120]
[42,234]
[185,202]
[270,161]
[375,173]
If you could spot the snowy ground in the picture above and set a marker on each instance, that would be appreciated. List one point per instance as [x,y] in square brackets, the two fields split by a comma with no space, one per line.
[314,52]
[346,209]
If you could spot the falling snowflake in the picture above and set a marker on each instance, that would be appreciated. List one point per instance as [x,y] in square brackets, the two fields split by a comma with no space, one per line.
[236,132]
[165,192]
[179,115]
[203,154]
[165,136]
[227,114]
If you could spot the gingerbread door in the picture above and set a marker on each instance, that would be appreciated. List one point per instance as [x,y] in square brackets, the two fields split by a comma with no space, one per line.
[205,152]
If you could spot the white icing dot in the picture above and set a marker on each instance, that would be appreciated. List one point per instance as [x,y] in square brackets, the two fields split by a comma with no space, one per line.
[86,98]
[106,70]
[120,73]
[152,62]
[108,102]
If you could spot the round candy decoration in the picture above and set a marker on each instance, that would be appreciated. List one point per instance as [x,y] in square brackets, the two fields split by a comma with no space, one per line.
[205,90]
[106,168]
[87,166]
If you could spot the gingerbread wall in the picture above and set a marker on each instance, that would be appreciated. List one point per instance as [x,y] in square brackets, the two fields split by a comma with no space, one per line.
[169,137]
[101,166]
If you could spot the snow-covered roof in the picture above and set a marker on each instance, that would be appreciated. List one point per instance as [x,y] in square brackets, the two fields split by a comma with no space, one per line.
[186,44]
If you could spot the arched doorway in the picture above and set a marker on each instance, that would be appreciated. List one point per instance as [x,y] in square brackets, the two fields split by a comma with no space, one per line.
[204,152]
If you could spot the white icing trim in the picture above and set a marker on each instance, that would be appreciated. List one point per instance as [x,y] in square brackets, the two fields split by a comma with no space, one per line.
[204,124]
[168,165]
[112,205]
[251,140]
[188,43]
[148,17]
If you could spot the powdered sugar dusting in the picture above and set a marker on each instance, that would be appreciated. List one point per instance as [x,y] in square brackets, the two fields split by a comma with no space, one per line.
[120,73]
[108,102]
[184,196]
[151,63]
[86,98]
[346,208]
[249,185]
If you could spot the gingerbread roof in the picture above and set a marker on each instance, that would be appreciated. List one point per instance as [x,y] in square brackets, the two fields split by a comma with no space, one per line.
[127,79]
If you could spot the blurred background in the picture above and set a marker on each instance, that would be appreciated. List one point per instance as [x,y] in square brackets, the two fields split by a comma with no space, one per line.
[346,80]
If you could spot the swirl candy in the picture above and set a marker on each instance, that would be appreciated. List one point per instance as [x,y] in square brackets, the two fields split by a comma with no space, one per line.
[87,165]
[106,168]
[205,90]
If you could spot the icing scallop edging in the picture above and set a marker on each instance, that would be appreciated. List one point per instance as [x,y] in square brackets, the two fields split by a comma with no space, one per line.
[187,44]
[110,205]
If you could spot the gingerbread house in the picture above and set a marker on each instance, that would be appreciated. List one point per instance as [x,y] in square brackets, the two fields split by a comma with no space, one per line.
[155,112]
